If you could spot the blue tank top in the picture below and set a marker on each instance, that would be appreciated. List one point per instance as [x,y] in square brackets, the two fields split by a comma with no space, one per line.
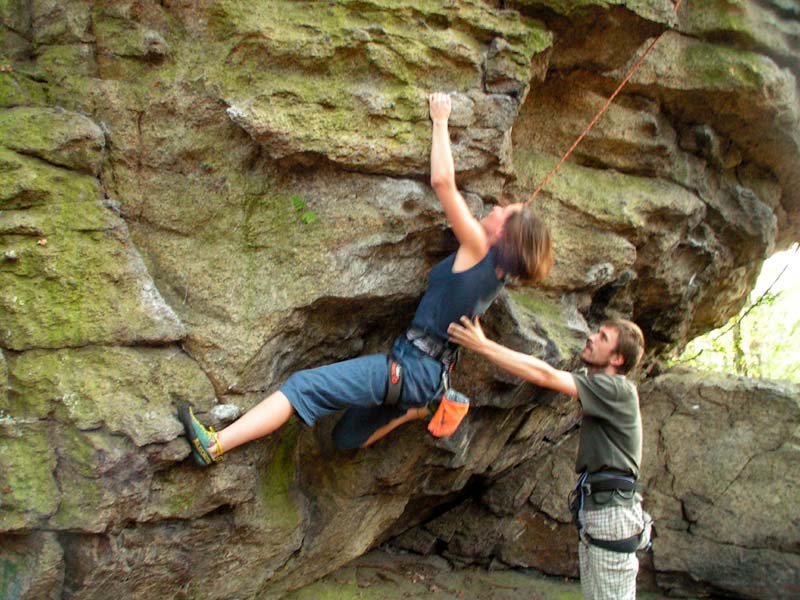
[451,295]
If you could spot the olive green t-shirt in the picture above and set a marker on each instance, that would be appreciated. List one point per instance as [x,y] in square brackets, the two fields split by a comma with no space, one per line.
[611,428]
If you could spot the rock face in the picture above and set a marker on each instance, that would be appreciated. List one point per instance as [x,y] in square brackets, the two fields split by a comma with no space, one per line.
[725,504]
[199,198]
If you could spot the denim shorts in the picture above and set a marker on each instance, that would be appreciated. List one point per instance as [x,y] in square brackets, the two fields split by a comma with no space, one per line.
[359,385]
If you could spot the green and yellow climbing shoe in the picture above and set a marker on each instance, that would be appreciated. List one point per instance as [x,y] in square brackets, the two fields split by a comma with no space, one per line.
[200,438]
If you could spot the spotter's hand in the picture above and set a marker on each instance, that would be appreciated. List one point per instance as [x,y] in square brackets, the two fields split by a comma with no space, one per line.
[468,334]
[440,106]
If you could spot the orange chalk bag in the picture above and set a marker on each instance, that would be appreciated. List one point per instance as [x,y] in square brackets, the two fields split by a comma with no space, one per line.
[452,409]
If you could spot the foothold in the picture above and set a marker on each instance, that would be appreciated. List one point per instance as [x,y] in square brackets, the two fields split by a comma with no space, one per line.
[226,413]
[112,205]
[10,255]
[42,242]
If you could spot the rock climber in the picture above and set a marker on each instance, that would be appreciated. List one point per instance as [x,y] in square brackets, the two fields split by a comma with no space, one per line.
[508,243]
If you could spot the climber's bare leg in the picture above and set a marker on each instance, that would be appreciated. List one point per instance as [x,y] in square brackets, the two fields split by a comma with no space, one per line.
[264,418]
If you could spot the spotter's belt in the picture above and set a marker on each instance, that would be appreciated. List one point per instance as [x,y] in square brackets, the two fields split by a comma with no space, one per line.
[607,481]
[603,482]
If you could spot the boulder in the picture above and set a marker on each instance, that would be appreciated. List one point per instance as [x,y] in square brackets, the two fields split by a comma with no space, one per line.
[724,506]
[198,199]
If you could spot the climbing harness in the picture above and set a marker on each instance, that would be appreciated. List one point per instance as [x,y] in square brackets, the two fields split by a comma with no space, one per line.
[394,382]
[444,352]
[450,409]
[602,110]
[440,350]
[606,482]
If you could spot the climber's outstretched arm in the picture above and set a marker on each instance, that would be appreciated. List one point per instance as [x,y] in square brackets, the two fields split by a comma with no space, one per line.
[471,236]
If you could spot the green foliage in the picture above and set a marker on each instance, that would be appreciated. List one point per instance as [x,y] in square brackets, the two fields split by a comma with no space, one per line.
[307,217]
[763,340]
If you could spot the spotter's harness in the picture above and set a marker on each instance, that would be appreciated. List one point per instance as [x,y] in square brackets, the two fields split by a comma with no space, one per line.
[605,482]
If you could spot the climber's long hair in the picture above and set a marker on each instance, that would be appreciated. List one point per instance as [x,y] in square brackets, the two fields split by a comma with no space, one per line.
[525,250]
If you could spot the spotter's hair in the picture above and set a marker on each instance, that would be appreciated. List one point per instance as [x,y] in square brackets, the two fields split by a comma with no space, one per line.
[630,343]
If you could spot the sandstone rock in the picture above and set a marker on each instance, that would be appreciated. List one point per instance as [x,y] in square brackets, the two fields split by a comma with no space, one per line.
[417,540]
[17,89]
[542,544]
[369,114]
[545,483]
[732,501]
[261,198]
[59,137]
[3,382]
[633,135]
[123,37]
[747,91]
[607,258]
[56,23]
[68,249]
[771,26]
[660,12]
[529,321]
[29,490]
[96,412]
[341,259]
[693,566]
[33,567]
[14,46]
[16,17]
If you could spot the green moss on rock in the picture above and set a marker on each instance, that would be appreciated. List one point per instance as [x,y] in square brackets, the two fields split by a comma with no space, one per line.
[69,66]
[286,219]
[60,137]
[29,492]
[131,391]
[614,199]
[276,482]
[26,182]
[16,89]
[3,385]
[74,272]
[715,67]
[686,64]
[654,10]
[717,15]
[553,319]
[350,80]
[84,503]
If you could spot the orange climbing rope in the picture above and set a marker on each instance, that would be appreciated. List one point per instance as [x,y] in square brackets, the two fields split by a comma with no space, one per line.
[596,118]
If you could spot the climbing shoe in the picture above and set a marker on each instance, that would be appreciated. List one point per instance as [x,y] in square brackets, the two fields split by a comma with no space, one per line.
[200,438]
